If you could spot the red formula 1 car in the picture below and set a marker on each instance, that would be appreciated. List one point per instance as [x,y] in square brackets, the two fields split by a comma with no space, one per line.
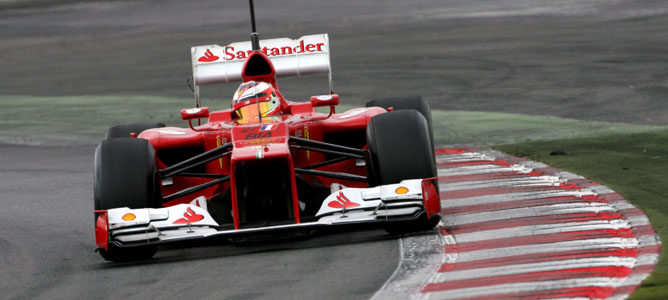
[267,164]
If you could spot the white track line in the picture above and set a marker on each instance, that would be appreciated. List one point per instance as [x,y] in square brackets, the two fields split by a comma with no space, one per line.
[493,289]
[628,262]
[543,210]
[487,199]
[596,243]
[614,224]
[522,181]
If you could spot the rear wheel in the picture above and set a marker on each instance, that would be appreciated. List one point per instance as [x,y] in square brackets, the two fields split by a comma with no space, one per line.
[125,177]
[126,129]
[400,148]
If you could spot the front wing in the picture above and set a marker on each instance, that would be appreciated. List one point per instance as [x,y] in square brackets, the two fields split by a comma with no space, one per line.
[405,201]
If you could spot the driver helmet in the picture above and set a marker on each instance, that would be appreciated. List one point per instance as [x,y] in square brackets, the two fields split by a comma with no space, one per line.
[255,98]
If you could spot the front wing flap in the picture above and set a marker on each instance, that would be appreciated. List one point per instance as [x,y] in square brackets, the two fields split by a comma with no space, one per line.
[405,201]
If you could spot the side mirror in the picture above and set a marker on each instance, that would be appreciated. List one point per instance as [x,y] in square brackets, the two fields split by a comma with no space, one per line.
[194,113]
[325,100]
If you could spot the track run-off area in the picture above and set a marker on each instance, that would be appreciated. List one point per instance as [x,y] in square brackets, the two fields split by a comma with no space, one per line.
[515,228]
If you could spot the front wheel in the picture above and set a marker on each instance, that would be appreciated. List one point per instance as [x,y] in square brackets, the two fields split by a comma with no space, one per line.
[400,148]
[125,177]
[407,102]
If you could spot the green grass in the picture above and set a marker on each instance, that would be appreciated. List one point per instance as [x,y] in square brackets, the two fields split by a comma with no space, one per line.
[81,119]
[486,128]
[85,119]
[634,165]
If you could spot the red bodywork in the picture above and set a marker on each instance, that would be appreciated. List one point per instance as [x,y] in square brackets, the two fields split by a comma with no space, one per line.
[102,229]
[261,143]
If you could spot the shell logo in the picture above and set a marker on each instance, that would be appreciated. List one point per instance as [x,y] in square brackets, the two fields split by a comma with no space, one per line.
[401,190]
[129,217]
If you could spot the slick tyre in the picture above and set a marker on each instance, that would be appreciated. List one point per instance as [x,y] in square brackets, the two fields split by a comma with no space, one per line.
[411,102]
[125,177]
[126,129]
[401,103]
[125,174]
[400,147]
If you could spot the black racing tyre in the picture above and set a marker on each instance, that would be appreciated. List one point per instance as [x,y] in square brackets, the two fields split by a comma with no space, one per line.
[400,148]
[126,129]
[125,177]
[125,174]
[408,102]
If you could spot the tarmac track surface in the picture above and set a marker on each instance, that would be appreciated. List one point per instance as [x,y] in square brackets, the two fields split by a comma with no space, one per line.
[582,59]
[587,59]
[47,243]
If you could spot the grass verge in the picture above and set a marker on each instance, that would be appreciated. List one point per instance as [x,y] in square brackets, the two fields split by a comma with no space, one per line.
[80,119]
[487,128]
[634,165]
[85,119]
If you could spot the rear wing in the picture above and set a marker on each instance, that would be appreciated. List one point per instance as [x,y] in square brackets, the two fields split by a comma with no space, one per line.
[218,64]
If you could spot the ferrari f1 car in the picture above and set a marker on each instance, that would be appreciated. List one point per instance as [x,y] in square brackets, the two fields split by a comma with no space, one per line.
[266,165]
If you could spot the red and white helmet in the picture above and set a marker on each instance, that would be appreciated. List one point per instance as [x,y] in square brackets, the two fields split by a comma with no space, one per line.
[254,98]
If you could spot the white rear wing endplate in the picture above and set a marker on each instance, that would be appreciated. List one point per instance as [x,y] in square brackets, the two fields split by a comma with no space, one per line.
[218,64]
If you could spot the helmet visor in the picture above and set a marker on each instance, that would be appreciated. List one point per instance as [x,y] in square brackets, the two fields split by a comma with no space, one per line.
[252,110]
